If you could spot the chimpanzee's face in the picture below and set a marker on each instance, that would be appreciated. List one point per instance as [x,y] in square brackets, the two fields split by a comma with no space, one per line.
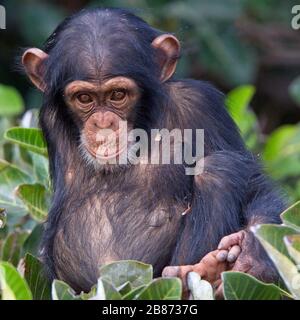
[100,109]
[84,68]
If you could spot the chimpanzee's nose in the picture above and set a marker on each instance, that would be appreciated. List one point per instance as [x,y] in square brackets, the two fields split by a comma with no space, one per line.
[104,120]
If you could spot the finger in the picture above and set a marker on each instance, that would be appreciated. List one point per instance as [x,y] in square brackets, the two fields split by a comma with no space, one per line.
[178,271]
[233,253]
[210,259]
[183,272]
[231,240]
[170,272]
[210,268]
[219,294]
[216,284]
[222,255]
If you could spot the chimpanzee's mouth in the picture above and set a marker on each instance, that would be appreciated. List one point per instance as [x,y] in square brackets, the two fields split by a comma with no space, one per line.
[108,145]
[106,153]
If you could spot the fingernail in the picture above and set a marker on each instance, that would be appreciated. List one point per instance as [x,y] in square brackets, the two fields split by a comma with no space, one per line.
[231,257]
[170,272]
[222,256]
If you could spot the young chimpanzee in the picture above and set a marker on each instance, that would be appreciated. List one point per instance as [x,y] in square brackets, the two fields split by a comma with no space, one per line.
[104,66]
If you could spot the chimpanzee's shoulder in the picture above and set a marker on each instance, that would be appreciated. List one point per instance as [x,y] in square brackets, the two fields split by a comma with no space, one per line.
[197,86]
[200,95]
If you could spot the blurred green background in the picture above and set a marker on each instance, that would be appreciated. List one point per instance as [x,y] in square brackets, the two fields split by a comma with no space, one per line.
[244,44]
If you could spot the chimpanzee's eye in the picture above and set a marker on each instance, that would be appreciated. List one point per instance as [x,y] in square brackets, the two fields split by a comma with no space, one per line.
[118,95]
[84,98]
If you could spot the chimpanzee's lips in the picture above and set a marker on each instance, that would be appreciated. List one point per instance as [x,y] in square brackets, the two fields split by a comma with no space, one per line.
[104,154]
[107,155]
[108,146]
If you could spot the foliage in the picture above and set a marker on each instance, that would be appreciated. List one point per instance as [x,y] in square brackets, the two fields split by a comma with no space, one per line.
[282,243]
[131,280]
[242,286]
[13,286]
[11,102]
[237,102]
[279,152]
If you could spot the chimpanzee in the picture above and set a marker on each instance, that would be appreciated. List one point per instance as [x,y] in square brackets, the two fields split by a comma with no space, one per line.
[104,66]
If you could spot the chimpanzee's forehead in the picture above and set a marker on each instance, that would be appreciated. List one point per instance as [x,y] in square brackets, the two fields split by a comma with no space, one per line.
[101,58]
[99,46]
[99,64]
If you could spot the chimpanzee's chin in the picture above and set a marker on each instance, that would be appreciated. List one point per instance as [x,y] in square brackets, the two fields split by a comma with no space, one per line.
[109,168]
[103,165]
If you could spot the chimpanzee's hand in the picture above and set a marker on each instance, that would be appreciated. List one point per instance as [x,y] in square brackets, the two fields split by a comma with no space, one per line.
[245,254]
[209,268]
[239,251]
[231,246]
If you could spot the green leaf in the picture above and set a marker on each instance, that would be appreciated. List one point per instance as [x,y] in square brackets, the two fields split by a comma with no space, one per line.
[120,272]
[10,178]
[274,234]
[30,138]
[40,166]
[32,243]
[37,280]
[162,289]
[133,293]
[89,295]
[12,247]
[199,289]
[237,102]
[5,123]
[291,216]
[22,153]
[35,198]
[13,286]
[293,246]
[11,102]
[106,291]
[242,286]
[283,147]
[271,238]
[281,140]
[62,291]
[125,288]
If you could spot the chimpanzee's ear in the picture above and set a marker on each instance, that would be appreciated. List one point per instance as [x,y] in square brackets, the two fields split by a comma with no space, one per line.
[32,61]
[168,53]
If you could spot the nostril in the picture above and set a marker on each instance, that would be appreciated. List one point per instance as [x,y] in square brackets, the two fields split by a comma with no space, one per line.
[103,125]
[96,125]
[102,121]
